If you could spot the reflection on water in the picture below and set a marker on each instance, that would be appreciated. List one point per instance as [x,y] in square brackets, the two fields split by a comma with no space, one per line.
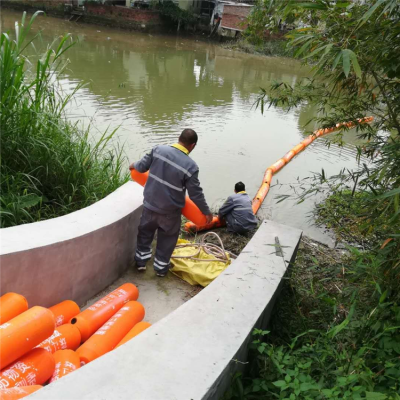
[154,86]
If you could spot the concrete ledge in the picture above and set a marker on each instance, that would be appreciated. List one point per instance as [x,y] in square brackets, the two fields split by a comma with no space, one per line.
[74,256]
[189,354]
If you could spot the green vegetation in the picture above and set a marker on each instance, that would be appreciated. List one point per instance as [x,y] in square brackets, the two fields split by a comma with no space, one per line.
[335,332]
[175,15]
[49,166]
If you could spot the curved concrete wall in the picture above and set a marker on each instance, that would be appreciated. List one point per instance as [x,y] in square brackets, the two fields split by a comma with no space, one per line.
[74,256]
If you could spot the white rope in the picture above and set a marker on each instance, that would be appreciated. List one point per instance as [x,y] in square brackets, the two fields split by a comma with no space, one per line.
[218,252]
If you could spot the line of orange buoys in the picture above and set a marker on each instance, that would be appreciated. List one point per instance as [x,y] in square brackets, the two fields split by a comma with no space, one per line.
[271,171]
[41,345]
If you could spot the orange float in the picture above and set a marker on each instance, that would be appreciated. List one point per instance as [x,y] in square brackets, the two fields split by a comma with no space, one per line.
[64,311]
[90,320]
[138,328]
[11,305]
[274,168]
[189,211]
[67,361]
[24,332]
[64,337]
[112,332]
[34,368]
[19,392]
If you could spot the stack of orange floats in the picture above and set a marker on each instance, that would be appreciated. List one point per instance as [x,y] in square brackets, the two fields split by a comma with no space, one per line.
[40,345]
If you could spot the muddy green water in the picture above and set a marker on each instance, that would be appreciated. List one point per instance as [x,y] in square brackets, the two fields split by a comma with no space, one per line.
[153,86]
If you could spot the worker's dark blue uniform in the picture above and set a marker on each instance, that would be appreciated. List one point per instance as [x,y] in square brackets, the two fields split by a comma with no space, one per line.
[171,172]
[238,213]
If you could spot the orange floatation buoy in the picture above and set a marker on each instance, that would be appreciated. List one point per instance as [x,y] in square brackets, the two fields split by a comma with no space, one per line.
[34,368]
[11,305]
[24,332]
[90,320]
[67,361]
[19,392]
[64,311]
[112,332]
[64,337]
[190,210]
[138,328]
[274,168]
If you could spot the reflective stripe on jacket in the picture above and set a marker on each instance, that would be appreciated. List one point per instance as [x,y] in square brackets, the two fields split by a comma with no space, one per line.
[239,206]
[171,172]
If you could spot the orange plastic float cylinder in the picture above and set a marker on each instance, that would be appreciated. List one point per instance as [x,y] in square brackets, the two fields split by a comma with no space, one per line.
[67,361]
[64,337]
[288,156]
[215,223]
[11,305]
[34,368]
[190,210]
[308,140]
[268,176]
[278,165]
[112,332]
[25,331]
[19,392]
[297,149]
[138,328]
[64,311]
[90,320]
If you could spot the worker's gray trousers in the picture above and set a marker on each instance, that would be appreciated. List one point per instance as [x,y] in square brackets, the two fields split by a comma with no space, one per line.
[233,225]
[168,228]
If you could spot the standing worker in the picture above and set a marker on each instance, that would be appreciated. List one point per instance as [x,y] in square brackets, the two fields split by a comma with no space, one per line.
[238,212]
[171,172]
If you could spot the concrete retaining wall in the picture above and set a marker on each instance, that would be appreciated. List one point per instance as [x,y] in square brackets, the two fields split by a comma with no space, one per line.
[74,256]
[192,352]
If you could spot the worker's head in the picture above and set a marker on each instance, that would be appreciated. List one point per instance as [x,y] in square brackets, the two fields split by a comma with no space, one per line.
[239,187]
[188,139]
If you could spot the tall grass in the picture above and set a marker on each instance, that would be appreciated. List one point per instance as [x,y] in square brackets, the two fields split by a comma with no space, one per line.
[49,166]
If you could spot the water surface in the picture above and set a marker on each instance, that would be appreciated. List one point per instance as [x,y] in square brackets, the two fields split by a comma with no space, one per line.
[153,86]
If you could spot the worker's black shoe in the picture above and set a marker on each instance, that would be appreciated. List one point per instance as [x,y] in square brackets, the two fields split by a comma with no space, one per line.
[162,274]
[141,268]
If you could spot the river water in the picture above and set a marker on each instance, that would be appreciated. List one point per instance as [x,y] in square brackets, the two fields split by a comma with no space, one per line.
[153,86]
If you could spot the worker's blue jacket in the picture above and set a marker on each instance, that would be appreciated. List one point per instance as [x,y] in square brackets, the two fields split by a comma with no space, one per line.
[171,172]
[238,212]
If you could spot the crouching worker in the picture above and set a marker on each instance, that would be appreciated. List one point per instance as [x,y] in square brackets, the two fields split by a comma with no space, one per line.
[171,172]
[237,211]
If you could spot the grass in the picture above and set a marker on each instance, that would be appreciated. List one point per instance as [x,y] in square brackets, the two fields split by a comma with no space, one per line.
[49,166]
[276,48]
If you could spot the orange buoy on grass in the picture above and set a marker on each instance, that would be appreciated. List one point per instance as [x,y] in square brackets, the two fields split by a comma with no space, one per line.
[190,210]
[67,361]
[90,320]
[19,392]
[64,311]
[34,368]
[138,328]
[112,332]
[65,336]
[11,305]
[24,332]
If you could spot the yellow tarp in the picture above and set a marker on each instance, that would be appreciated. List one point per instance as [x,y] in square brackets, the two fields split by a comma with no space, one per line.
[194,271]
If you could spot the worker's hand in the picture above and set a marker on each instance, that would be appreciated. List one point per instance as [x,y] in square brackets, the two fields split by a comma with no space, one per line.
[131,167]
[209,218]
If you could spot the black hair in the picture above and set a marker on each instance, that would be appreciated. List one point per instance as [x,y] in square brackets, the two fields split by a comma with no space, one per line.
[188,137]
[239,187]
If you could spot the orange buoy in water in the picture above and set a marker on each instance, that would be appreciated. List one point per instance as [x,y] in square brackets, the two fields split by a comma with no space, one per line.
[138,328]
[268,176]
[24,332]
[67,361]
[34,368]
[64,337]
[298,148]
[190,210]
[11,305]
[90,320]
[19,392]
[215,223]
[64,311]
[308,140]
[112,332]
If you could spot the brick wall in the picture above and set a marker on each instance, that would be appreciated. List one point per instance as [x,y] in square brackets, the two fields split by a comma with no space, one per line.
[234,16]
